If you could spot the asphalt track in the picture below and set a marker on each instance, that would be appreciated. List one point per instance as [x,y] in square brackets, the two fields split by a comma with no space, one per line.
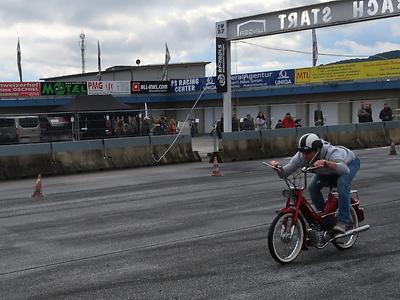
[175,232]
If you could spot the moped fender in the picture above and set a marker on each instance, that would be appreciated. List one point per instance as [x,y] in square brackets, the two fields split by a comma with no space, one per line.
[285,210]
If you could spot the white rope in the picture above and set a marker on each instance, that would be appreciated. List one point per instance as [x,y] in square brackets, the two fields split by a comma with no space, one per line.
[184,123]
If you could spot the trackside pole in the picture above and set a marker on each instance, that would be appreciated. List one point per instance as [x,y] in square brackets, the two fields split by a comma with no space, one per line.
[228,95]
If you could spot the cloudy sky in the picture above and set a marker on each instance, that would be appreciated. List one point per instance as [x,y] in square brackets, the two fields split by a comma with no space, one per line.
[131,29]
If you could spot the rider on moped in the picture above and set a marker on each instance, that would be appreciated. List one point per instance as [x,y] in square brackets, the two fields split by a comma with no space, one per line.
[333,163]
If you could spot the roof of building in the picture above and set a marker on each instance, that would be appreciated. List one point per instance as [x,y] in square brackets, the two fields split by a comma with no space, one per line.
[92,103]
[128,68]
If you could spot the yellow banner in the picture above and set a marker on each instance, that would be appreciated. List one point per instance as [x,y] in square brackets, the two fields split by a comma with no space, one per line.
[352,71]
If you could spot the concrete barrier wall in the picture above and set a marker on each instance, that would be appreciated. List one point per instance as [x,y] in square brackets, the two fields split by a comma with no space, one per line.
[345,135]
[19,161]
[372,135]
[283,142]
[280,142]
[246,142]
[392,130]
[28,160]
[181,151]
[79,156]
[128,152]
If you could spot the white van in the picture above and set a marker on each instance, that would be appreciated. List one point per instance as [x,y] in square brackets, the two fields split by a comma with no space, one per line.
[19,129]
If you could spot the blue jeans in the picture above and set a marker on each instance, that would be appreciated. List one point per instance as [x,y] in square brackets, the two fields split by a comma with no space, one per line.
[343,188]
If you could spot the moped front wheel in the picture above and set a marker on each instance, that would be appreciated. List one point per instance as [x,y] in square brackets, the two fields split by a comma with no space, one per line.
[285,239]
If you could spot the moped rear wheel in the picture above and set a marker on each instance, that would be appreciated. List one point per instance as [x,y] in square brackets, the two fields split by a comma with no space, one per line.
[348,241]
[284,239]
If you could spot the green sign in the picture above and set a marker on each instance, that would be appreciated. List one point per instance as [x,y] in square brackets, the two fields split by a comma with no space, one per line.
[63,88]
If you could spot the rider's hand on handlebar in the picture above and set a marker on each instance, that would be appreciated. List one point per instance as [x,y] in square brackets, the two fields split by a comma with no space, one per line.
[276,164]
[320,163]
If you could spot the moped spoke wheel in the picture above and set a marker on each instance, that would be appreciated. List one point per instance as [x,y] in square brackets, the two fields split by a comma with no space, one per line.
[348,241]
[284,238]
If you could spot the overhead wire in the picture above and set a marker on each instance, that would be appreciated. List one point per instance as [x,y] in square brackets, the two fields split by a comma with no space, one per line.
[309,52]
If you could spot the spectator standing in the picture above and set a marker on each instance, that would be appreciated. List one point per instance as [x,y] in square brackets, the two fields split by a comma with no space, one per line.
[386,113]
[279,124]
[260,121]
[235,122]
[171,129]
[368,109]
[248,123]
[362,113]
[163,124]
[120,129]
[146,126]
[288,122]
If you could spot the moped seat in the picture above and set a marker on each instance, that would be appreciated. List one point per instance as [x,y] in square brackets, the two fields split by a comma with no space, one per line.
[328,181]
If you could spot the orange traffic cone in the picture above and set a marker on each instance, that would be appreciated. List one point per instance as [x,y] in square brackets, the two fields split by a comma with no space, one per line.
[392,149]
[216,171]
[38,187]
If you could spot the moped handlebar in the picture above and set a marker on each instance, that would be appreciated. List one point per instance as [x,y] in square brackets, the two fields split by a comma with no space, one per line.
[276,168]
[308,169]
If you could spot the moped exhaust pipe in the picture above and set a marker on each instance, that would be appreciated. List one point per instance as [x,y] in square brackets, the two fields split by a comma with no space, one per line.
[351,232]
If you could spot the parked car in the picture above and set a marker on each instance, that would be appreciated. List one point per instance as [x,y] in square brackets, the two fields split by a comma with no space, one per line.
[55,128]
[19,129]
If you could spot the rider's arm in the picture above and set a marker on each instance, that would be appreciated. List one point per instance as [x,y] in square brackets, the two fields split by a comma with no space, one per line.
[295,163]
[339,167]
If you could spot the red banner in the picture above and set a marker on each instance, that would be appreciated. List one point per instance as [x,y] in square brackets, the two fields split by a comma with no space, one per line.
[19,89]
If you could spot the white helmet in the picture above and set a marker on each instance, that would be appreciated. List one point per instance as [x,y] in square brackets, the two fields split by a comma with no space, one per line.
[309,142]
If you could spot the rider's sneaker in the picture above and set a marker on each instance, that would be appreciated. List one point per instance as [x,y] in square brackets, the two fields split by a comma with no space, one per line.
[340,228]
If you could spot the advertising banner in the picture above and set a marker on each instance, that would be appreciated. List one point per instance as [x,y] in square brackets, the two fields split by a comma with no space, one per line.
[108,87]
[19,89]
[222,85]
[191,84]
[150,87]
[353,71]
[63,88]
[247,80]
[273,78]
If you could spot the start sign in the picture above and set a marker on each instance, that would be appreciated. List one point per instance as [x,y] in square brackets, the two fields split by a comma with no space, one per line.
[307,17]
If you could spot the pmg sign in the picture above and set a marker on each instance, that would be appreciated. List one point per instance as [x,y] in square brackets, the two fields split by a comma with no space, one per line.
[308,17]
[108,87]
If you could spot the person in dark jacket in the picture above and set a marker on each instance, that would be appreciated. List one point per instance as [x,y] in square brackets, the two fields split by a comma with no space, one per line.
[362,113]
[248,123]
[279,124]
[235,122]
[386,113]
[368,109]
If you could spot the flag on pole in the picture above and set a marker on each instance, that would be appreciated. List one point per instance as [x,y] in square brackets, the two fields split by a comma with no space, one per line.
[167,59]
[19,60]
[145,111]
[99,59]
[314,48]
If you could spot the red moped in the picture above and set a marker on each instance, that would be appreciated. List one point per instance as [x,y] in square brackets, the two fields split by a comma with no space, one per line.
[298,226]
